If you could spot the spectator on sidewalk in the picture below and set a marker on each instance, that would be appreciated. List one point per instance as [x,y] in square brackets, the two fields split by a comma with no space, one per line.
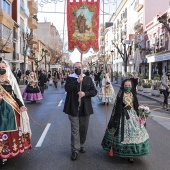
[164,88]
[19,75]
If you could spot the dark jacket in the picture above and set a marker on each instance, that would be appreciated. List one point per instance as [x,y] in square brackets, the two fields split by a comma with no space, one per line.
[42,79]
[72,87]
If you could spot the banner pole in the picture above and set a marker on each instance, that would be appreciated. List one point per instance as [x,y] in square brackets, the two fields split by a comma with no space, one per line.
[81,60]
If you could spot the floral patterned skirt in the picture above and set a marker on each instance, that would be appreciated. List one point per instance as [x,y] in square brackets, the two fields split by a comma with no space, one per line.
[136,139]
[106,94]
[13,143]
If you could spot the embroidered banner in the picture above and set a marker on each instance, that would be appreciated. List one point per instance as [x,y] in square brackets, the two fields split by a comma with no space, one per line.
[83,24]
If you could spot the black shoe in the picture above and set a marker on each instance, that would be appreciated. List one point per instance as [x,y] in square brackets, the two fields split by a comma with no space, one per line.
[130,160]
[74,156]
[3,162]
[82,150]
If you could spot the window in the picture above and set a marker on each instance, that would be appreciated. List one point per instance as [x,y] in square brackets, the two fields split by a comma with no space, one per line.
[147,44]
[6,6]
[162,40]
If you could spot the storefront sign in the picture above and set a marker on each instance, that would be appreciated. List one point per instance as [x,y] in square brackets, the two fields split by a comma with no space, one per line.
[162,57]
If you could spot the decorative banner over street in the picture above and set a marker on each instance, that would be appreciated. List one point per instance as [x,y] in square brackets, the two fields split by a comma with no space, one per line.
[83,25]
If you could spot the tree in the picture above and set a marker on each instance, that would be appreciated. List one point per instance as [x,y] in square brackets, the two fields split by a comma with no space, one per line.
[125,53]
[27,37]
[8,41]
[43,55]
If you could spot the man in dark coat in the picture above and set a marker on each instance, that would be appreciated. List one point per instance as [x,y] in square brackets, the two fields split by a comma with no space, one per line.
[42,80]
[78,106]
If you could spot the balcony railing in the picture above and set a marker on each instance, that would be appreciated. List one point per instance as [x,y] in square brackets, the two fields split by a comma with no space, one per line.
[6,19]
[33,7]
[32,23]
[34,39]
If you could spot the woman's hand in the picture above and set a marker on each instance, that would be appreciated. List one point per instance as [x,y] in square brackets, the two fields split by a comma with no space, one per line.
[23,108]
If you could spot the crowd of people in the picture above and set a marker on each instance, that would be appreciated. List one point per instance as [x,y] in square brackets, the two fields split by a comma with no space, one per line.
[124,134]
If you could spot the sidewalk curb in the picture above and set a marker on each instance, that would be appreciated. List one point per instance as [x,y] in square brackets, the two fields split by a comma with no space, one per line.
[148,97]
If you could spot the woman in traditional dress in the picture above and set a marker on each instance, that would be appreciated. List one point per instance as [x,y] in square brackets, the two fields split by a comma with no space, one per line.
[124,135]
[14,122]
[106,92]
[32,91]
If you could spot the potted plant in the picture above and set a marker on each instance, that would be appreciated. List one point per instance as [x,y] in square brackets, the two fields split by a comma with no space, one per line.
[155,88]
[147,87]
[140,85]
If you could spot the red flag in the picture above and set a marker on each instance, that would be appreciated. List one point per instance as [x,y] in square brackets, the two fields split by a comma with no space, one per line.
[83,25]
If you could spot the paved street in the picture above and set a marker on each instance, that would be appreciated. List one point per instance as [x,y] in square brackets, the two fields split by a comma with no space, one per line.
[53,151]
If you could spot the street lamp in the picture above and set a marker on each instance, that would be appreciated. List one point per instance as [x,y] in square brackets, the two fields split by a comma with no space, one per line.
[112,52]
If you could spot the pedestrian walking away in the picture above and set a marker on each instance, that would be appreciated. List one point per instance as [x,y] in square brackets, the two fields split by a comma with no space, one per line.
[42,81]
[78,106]
[124,135]
[164,88]
[15,129]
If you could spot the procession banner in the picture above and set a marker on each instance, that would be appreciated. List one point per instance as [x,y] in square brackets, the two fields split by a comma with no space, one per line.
[83,24]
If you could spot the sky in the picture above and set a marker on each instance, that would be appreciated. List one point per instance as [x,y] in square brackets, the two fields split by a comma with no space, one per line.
[53,11]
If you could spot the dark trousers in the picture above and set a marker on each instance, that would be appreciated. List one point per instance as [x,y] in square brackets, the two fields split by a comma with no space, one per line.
[79,126]
[166,94]
[97,82]
[55,83]
[42,89]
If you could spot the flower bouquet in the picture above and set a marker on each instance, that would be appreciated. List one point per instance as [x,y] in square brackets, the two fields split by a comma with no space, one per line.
[144,112]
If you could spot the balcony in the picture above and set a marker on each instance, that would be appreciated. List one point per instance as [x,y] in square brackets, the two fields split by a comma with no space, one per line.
[6,19]
[32,23]
[138,5]
[24,11]
[6,44]
[34,40]
[32,6]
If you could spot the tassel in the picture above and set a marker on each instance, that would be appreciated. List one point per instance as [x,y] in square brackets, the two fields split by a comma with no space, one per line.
[111,153]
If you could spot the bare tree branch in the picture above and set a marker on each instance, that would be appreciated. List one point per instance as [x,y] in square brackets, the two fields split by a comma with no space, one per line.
[6,43]
[119,51]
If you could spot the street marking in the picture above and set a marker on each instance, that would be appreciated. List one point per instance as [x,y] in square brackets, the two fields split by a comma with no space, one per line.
[160,116]
[156,108]
[148,102]
[43,135]
[60,102]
